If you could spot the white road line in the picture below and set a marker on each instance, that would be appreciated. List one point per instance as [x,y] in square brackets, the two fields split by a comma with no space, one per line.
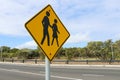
[92,75]
[68,78]
[18,71]
[15,69]
[60,77]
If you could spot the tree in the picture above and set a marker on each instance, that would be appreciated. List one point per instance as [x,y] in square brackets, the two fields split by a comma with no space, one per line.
[69,52]
[14,50]
[116,49]
[41,54]
[33,54]
[60,53]
[23,53]
[107,50]
[5,49]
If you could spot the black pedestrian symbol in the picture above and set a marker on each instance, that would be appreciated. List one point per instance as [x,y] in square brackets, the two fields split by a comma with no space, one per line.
[46,24]
[55,32]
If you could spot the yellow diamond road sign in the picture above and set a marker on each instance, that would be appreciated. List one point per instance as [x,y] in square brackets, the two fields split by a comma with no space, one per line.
[48,31]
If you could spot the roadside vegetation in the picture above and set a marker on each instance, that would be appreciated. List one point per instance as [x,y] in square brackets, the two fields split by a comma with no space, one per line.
[94,50]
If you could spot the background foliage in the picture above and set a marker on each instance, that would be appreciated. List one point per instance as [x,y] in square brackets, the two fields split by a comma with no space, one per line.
[94,50]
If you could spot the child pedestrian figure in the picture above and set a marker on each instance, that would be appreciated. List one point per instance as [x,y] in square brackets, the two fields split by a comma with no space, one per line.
[55,31]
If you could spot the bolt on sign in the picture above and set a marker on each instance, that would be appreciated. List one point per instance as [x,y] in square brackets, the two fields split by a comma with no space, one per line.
[48,31]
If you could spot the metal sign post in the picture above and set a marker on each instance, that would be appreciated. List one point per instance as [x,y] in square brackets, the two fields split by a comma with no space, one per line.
[47,68]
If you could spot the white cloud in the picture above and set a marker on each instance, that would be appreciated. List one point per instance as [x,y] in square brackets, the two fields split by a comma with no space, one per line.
[101,19]
[85,19]
[117,36]
[79,37]
[88,15]
[14,14]
[111,5]
[29,44]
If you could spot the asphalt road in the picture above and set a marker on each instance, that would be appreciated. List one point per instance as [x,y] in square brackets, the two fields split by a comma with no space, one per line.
[37,72]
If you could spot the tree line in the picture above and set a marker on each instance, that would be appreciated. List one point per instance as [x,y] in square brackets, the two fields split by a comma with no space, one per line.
[94,50]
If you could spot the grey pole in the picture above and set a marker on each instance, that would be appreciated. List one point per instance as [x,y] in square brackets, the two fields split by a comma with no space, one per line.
[1,52]
[112,51]
[47,69]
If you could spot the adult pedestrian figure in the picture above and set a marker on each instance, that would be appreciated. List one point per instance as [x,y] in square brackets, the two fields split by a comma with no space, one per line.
[55,31]
[46,24]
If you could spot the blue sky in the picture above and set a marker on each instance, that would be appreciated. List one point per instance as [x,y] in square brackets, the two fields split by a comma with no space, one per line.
[86,20]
